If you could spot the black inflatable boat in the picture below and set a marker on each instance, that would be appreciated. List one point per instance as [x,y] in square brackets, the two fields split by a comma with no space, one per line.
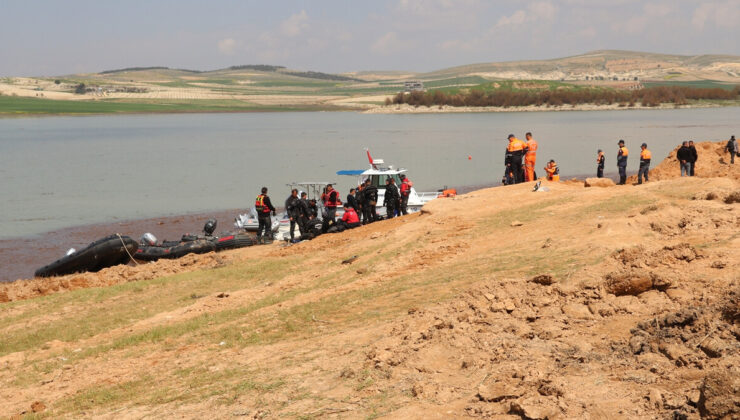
[234,240]
[106,252]
[171,250]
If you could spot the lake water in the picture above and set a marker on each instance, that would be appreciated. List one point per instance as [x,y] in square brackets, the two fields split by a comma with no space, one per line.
[58,172]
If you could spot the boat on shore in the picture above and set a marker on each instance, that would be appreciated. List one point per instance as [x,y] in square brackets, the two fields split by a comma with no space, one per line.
[379,172]
[103,253]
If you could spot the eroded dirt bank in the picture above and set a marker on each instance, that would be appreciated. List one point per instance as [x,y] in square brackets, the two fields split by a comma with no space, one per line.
[619,302]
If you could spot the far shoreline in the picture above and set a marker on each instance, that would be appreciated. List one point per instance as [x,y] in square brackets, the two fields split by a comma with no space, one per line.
[382,109]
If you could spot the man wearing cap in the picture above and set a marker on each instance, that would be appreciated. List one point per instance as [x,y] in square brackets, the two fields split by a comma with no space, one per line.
[645,156]
[622,162]
[516,148]
[600,159]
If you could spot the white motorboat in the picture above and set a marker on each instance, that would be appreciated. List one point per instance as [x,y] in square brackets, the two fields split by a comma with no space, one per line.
[378,173]
[249,222]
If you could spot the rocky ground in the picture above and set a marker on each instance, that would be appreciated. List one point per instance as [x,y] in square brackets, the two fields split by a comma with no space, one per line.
[615,302]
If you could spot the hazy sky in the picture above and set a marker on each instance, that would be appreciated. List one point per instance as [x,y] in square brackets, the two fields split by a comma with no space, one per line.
[55,37]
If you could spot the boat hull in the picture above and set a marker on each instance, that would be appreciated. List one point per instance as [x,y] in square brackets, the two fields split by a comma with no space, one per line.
[106,252]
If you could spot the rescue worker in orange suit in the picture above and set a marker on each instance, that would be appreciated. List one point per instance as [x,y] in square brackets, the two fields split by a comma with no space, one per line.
[622,162]
[553,173]
[600,159]
[405,191]
[517,148]
[264,207]
[530,158]
[645,156]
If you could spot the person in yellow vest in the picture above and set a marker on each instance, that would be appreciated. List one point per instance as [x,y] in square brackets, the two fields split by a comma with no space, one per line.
[553,173]
[530,158]
[645,156]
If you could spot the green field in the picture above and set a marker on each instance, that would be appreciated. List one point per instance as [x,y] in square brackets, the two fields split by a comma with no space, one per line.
[18,106]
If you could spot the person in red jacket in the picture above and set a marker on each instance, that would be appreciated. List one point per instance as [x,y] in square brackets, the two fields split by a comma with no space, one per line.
[350,219]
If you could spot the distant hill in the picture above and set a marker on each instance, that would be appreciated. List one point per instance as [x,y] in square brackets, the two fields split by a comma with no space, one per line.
[605,64]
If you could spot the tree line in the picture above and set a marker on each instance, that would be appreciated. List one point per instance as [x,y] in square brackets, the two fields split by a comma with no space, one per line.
[650,96]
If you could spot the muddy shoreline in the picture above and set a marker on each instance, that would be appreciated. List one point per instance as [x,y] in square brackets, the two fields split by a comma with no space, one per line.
[20,257]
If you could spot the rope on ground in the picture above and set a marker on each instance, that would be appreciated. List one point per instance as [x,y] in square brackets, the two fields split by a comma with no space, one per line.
[126,248]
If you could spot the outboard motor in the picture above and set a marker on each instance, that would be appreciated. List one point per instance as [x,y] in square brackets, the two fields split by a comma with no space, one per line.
[210,227]
[148,239]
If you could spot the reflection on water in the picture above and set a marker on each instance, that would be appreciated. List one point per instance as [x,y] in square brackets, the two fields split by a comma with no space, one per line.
[67,171]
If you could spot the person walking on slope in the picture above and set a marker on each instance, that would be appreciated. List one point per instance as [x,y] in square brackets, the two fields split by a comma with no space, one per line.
[293,209]
[264,207]
[684,157]
[530,158]
[600,159]
[732,148]
[645,156]
[622,162]
[694,157]
[405,191]
[553,173]
[517,148]
[370,200]
[391,198]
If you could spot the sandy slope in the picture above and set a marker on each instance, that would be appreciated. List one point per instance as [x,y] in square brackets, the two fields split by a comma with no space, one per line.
[575,302]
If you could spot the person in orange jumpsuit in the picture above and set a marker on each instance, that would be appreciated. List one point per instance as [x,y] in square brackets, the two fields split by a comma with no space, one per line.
[530,158]
[516,149]
[553,173]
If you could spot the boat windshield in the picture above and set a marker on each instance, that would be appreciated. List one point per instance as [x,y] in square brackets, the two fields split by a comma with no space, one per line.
[379,180]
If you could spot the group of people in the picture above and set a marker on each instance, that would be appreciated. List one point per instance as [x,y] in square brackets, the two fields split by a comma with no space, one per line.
[687,157]
[359,209]
[518,150]
[622,157]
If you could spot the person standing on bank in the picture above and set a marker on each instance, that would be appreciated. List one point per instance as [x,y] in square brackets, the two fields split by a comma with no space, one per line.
[292,207]
[530,158]
[263,206]
[694,157]
[645,156]
[370,200]
[732,148]
[405,191]
[600,159]
[517,148]
[391,198]
[331,203]
[684,157]
[622,162]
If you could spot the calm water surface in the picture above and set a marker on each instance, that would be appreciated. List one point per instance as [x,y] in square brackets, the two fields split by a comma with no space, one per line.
[58,172]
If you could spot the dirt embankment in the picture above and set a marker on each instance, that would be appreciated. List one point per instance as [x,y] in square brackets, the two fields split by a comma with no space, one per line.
[712,162]
[570,302]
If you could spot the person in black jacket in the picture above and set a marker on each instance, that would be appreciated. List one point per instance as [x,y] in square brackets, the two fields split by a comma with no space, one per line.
[292,208]
[264,207]
[622,156]
[391,199]
[370,200]
[352,200]
[600,160]
[684,159]
[694,157]
[304,214]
